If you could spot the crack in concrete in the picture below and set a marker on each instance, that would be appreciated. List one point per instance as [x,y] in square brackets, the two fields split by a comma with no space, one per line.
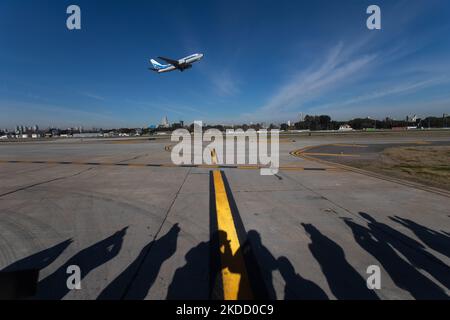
[130,284]
[44,182]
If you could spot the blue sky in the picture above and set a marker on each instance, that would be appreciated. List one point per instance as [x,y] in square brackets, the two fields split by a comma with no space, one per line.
[264,61]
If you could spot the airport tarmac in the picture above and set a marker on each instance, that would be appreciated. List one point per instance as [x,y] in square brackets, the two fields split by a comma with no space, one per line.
[140,228]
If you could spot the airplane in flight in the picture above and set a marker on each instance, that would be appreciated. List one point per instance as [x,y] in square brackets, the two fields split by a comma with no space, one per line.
[182,64]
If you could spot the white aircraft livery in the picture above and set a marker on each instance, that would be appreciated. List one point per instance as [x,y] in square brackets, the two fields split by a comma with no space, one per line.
[182,64]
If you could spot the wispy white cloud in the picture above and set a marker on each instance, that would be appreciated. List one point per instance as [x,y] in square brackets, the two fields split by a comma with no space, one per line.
[93,96]
[223,76]
[193,110]
[335,69]
[166,106]
[224,83]
[424,107]
[386,92]
[343,68]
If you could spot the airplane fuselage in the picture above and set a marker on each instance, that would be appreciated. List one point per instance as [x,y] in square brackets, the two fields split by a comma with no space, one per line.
[182,64]
[167,69]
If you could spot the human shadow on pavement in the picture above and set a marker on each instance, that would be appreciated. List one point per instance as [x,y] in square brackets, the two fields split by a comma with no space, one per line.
[414,251]
[297,287]
[254,263]
[54,287]
[405,276]
[40,260]
[344,281]
[261,264]
[137,279]
[259,256]
[201,276]
[436,240]
[19,279]
[191,281]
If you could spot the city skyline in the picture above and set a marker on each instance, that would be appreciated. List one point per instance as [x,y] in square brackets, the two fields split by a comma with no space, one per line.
[166,124]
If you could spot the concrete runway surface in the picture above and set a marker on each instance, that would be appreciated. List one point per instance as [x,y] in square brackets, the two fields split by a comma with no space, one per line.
[149,231]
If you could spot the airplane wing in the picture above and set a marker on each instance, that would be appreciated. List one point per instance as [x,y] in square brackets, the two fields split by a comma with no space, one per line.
[172,62]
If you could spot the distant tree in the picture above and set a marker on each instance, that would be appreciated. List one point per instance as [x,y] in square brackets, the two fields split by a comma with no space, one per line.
[125,130]
[434,122]
[362,123]
[324,122]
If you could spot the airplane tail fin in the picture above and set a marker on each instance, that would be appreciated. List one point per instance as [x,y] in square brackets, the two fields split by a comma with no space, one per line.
[156,65]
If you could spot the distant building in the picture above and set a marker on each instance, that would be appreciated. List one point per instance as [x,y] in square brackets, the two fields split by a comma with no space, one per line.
[301,117]
[165,123]
[178,125]
[345,127]
[411,119]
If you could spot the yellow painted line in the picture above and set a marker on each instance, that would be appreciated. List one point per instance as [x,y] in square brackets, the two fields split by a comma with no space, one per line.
[208,166]
[287,166]
[168,165]
[292,168]
[418,142]
[379,176]
[249,167]
[296,168]
[214,156]
[97,163]
[348,145]
[305,148]
[137,165]
[330,154]
[234,284]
